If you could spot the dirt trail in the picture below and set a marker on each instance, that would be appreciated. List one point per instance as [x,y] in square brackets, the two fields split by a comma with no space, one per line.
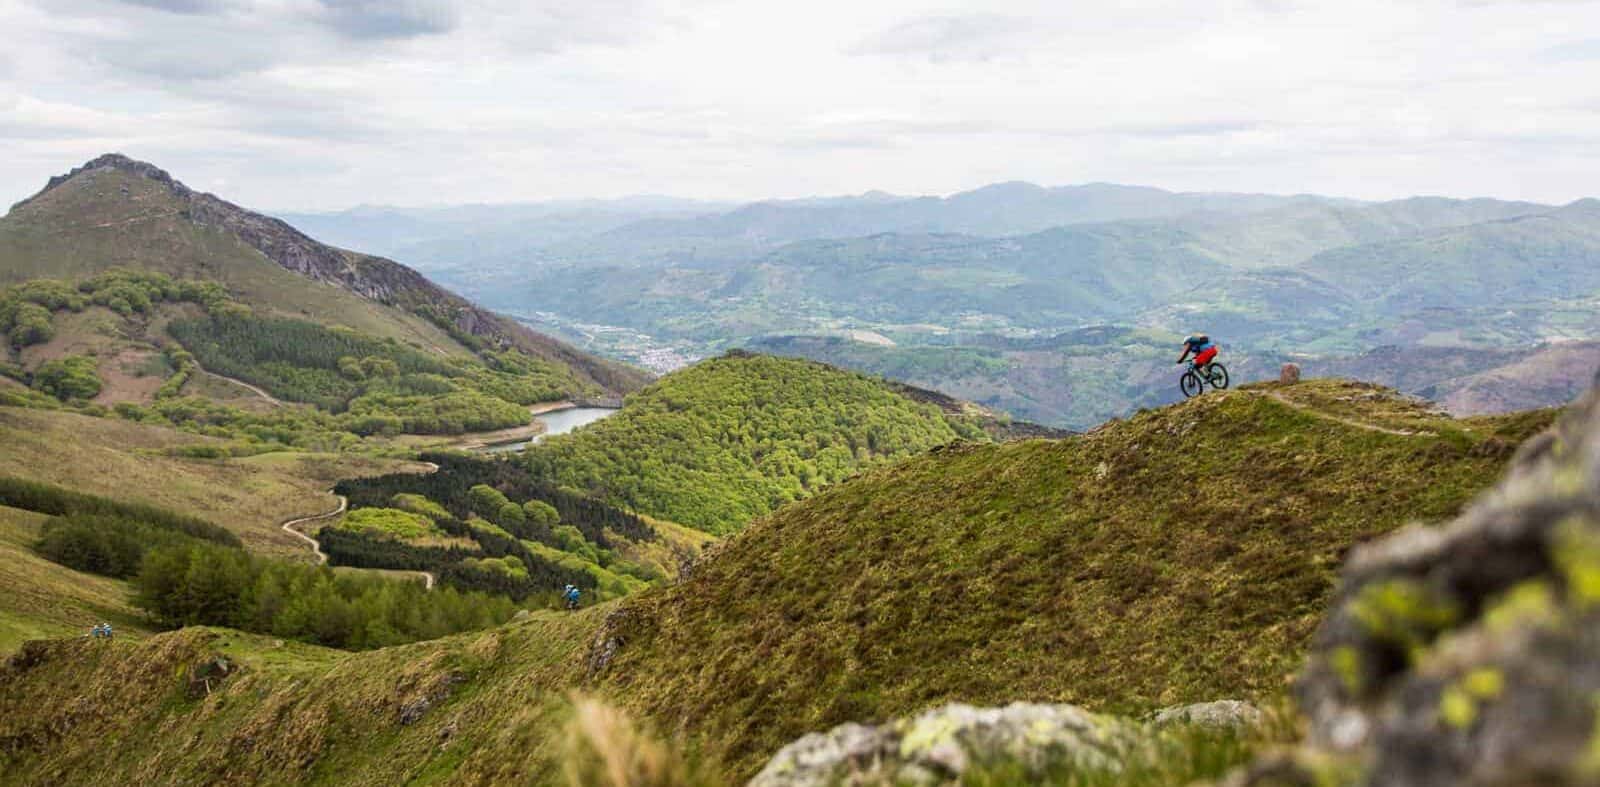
[242,384]
[1315,413]
[288,527]
[428,579]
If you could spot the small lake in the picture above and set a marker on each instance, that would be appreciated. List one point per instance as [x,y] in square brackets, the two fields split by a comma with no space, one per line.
[557,422]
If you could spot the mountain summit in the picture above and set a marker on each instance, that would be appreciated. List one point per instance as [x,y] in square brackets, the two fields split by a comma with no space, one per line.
[116,211]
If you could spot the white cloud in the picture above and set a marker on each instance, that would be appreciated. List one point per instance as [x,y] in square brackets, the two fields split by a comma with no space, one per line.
[319,103]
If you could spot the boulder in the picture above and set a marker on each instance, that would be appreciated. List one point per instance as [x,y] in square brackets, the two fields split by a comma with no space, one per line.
[1465,654]
[1221,714]
[939,746]
[1289,374]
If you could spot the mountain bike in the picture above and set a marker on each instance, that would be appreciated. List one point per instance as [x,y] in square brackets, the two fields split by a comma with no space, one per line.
[1193,381]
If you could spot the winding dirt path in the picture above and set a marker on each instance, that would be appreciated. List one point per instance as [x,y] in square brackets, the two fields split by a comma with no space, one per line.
[288,527]
[1315,413]
[344,503]
[242,384]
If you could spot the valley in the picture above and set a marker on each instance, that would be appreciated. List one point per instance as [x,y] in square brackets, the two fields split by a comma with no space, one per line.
[994,284]
[334,511]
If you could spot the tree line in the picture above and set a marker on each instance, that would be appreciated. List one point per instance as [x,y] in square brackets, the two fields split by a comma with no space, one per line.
[211,585]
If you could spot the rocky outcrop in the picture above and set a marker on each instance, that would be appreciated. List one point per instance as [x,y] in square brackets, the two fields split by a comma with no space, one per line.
[1289,374]
[942,745]
[1466,654]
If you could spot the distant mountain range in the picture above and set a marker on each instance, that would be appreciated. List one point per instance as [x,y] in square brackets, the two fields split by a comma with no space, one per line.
[1271,276]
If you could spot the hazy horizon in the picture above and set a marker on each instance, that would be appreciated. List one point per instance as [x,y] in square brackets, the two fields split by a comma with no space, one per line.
[318,105]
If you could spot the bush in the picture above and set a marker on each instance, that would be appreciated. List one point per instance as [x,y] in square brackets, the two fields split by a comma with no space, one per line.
[72,377]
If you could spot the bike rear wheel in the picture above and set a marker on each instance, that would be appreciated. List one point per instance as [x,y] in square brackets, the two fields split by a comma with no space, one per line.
[1218,375]
[1190,384]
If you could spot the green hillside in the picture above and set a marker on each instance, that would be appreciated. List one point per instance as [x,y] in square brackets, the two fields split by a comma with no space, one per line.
[118,213]
[730,439]
[1191,548]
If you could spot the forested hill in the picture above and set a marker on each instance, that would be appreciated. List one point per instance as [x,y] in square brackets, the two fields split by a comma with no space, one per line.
[729,439]
[117,212]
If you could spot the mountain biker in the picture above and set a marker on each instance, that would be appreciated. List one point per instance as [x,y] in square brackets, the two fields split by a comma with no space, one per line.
[571,595]
[1204,350]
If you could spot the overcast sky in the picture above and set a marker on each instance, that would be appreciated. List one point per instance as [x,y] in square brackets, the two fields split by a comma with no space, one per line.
[295,104]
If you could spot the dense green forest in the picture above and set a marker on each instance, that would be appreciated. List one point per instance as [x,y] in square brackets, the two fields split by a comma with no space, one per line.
[487,525]
[729,439]
[216,586]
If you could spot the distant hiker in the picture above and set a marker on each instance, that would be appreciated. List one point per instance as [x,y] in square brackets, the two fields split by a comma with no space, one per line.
[1204,350]
[571,595]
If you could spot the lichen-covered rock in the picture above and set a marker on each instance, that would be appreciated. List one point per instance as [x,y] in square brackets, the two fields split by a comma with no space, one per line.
[1230,714]
[1467,654]
[939,746]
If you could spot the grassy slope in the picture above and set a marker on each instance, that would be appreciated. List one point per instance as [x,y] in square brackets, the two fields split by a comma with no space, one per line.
[41,599]
[109,218]
[1181,556]
[1191,564]
[106,456]
[729,439]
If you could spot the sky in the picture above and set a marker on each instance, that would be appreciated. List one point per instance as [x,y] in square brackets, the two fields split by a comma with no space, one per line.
[324,104]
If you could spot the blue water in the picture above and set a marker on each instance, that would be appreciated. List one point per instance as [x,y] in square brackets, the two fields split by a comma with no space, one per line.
[558,422]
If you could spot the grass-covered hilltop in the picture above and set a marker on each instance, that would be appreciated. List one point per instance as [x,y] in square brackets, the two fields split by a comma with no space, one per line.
[1184,554]
[732,438]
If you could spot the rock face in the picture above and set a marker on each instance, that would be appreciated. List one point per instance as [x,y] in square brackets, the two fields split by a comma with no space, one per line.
[1467,654]
[1289,374]
[941,745]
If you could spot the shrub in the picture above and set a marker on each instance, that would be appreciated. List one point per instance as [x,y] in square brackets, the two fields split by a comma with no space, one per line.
[72,377]
[391,522]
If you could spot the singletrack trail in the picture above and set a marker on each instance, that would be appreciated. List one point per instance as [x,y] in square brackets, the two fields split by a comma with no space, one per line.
[288,527]
[322,558]
[1315,413]
[242,384]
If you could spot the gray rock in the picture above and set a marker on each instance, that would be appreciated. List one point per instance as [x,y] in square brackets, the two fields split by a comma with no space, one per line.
[939,746]
[1220,714]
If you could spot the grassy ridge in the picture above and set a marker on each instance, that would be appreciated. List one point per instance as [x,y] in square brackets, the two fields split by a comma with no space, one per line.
[1192,547]
[730,439]
[1181,555]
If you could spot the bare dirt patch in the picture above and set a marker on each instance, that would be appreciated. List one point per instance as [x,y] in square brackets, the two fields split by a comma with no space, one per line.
[132,375]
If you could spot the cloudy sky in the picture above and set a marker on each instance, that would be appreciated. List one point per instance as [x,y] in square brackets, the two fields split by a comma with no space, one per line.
[295,104]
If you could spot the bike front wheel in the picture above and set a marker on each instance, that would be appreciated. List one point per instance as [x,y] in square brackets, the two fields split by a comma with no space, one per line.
[1218,375]
[1190,384]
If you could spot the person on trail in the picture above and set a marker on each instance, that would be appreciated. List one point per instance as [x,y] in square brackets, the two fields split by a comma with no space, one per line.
[1203,349]
[571,595]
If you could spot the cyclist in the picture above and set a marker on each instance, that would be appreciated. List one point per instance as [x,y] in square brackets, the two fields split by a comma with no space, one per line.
[1204,350]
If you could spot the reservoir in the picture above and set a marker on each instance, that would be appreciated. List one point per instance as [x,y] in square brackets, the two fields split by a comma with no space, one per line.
[557,422]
